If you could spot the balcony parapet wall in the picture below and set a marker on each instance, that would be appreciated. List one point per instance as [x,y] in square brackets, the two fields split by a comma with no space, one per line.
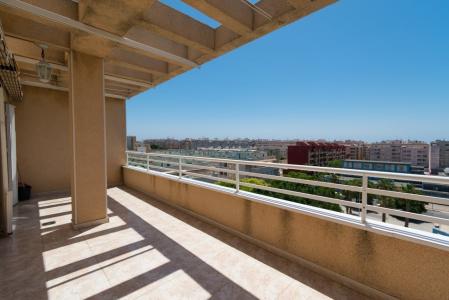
[375,264]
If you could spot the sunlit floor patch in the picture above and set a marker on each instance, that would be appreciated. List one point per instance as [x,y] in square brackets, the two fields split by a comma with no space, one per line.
[147,250]
[83,249]
[177,285]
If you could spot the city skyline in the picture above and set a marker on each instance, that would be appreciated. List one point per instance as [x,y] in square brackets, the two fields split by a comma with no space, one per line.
[428,141]
[420,156]
[328,81]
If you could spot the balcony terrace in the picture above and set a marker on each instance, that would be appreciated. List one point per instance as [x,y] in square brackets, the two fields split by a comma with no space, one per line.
[148,249]
[105,223]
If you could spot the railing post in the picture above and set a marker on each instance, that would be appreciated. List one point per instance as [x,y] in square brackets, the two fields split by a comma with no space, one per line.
[237,177]
[364,198]
[148,162]
[127,159]
[180,167]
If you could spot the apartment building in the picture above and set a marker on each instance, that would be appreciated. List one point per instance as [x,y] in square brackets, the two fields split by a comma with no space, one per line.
[434,158]
[385,151]
[162,143]
[231,154]
[131,142]
[414,152]
[238,154]
[277,149]
[315,153]
[192,144]
[439,155]
[356,151]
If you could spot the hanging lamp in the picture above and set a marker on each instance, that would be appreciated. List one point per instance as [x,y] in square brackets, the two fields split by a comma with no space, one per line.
[43,68]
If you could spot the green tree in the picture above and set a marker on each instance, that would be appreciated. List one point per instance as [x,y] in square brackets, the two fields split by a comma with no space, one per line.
[306,188]
[382,184]
[351,195]
[338,163]
[413,206]
[292,186]
[399,203]
[158,147]
[385,201]
[255,181]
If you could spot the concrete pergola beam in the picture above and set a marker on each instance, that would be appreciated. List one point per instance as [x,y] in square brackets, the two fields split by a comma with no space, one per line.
[176,26]
[232,14]
[74,25]
[145,38]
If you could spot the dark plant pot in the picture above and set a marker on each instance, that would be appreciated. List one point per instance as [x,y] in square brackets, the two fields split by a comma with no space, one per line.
[24,192]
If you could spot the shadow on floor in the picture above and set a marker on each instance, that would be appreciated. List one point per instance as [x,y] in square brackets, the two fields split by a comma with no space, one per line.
[22,256]
[307,277]
[179,259]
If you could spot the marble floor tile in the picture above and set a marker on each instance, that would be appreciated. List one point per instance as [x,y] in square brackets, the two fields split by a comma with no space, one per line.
[148,250]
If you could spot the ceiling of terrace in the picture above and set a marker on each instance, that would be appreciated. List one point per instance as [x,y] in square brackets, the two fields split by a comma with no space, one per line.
[143,42]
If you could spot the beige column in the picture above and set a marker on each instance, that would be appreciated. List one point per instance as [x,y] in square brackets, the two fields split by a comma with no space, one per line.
[5,192]
[88,139]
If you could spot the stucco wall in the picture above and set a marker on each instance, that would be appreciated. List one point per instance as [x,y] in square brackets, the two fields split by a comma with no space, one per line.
[396,267]
[115,139]
[42,133]
[4,205]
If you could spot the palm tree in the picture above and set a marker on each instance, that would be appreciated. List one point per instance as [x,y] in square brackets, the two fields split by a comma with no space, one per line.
[385,201]
[411,205]
[350,195]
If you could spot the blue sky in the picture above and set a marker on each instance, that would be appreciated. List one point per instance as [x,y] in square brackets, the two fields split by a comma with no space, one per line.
[358,69]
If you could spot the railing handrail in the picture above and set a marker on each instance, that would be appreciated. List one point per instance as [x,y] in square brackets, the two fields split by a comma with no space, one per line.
[360,173]
[185,167]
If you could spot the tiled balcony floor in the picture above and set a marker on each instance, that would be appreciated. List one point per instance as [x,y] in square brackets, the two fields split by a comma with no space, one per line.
[148,250]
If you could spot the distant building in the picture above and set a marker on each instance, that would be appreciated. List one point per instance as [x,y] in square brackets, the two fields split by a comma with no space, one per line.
[131,143]
[162,143]
[414,152]
[315,153]
[382,166]
[277,149]
[385,151]
[434,158]
[444,154]
[238,154]
[193,144]
[142,149]
[439,156]
[234,154]
[356,151]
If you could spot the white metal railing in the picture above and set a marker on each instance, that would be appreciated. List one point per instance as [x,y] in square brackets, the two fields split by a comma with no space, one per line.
[233,171]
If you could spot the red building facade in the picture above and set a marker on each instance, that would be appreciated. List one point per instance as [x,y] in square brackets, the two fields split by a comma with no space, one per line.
[315,153]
